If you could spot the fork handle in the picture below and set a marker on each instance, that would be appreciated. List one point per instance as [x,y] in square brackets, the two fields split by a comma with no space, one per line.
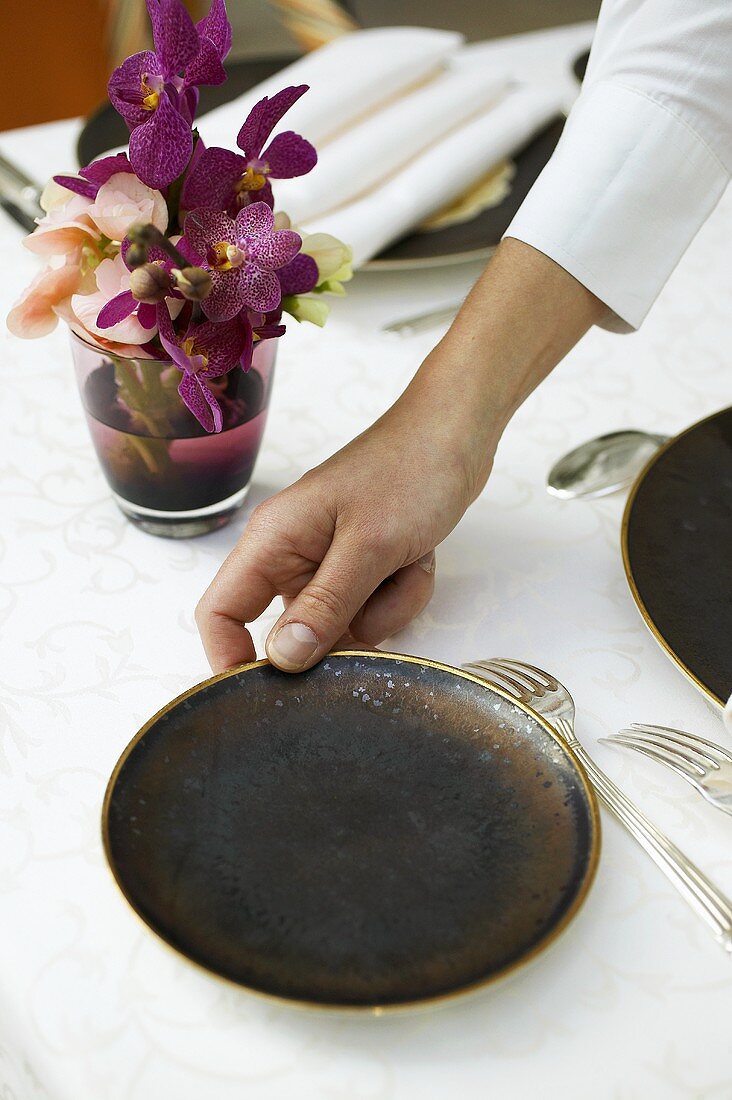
[702,895]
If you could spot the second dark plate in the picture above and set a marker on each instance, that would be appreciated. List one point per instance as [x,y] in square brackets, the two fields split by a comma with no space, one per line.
[677,549]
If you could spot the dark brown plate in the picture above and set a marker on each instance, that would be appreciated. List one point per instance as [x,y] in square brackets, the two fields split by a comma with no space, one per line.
[677,549]
[469,240]
[378,831]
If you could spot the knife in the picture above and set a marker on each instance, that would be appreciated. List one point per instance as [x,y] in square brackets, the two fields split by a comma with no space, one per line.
[19,195]
[422,322]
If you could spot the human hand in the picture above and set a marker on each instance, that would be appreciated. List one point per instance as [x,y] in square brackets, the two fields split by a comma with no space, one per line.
[350,546]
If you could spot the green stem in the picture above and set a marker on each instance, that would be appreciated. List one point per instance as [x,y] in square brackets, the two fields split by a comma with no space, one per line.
[153,452]
[145,395]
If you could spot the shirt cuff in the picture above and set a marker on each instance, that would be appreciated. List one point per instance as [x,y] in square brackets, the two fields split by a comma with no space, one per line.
[628,187]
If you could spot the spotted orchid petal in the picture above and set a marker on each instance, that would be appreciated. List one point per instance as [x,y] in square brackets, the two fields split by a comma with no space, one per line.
[228,295]
[216,27]
[175,36]
[205,227]
[211,180]
[270,332]
[161,148]
[263,118]
[102,170]
[79,186]
[119,307]
[197,397]
[289,155]
[127,87]
[206,67]
[168,338]
[254,222]
[95,175]
[188,104]
[260,288]
[299,276]
[222,344]
[277,250]
[146,314]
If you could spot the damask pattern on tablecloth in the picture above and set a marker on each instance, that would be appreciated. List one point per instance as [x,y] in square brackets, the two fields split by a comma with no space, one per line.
[97,627]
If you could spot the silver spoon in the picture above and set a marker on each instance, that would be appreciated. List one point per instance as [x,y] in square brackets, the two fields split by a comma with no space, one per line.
[603,465]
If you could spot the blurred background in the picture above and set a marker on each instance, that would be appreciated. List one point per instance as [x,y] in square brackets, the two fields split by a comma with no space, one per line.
[65,72]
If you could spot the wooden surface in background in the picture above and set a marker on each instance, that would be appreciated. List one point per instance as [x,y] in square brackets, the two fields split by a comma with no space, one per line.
[54,59]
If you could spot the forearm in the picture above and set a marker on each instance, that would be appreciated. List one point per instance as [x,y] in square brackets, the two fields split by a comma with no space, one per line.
[521,318]
[350,545]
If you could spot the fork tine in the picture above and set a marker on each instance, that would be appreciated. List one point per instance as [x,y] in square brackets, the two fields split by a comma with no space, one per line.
[519,670]
[690,740]
[546,680]
[673,748]
[504,680]
[671,760]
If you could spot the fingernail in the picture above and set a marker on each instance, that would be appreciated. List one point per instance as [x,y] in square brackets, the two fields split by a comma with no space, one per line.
[428,562]
[292,646]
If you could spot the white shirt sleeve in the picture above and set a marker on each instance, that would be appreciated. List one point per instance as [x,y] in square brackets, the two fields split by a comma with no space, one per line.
[645,154]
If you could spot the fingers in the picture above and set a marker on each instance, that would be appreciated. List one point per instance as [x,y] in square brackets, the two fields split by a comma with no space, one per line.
[237,595]
[323,610]
[396,602]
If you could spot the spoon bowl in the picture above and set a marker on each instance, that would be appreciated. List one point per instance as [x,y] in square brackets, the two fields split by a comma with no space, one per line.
[603,465]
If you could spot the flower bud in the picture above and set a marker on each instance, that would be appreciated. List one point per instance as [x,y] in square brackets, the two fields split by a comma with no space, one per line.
[150,283]
[306,307]
[193,282]
[141,237]
[136,255]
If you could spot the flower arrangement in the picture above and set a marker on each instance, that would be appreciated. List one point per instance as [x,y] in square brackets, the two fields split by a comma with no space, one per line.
[173,251]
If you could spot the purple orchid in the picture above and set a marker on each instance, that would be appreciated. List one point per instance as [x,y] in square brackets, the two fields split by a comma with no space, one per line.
[230,180]
[243,257]
[125,304]
[300,276]
[204,351]
[91,178]
[156,91]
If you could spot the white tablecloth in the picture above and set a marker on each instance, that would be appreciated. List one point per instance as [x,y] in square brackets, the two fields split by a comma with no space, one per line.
[98,632]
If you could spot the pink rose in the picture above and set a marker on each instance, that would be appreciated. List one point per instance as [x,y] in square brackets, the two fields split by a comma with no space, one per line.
[124,200]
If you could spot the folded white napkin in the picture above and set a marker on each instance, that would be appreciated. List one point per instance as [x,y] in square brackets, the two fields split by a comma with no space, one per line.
[372,150]
[534,57]
[348,78]
[441,173]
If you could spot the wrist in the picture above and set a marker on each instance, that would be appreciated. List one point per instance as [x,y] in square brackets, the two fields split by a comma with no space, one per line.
[465,416]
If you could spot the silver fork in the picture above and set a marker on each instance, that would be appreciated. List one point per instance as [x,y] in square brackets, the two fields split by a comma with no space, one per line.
[707,766]
[544,694]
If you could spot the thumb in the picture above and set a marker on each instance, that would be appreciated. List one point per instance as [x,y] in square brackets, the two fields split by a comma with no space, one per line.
[317,617]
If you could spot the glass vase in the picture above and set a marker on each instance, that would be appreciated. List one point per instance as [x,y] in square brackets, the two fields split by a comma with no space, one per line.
[167,474]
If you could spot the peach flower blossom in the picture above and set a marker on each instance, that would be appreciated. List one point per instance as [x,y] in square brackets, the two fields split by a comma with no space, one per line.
[64,230]
[38,310]
[112,277]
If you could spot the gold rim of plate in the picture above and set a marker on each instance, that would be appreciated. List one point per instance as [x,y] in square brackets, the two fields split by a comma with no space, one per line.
[374,1009]
[629,576]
